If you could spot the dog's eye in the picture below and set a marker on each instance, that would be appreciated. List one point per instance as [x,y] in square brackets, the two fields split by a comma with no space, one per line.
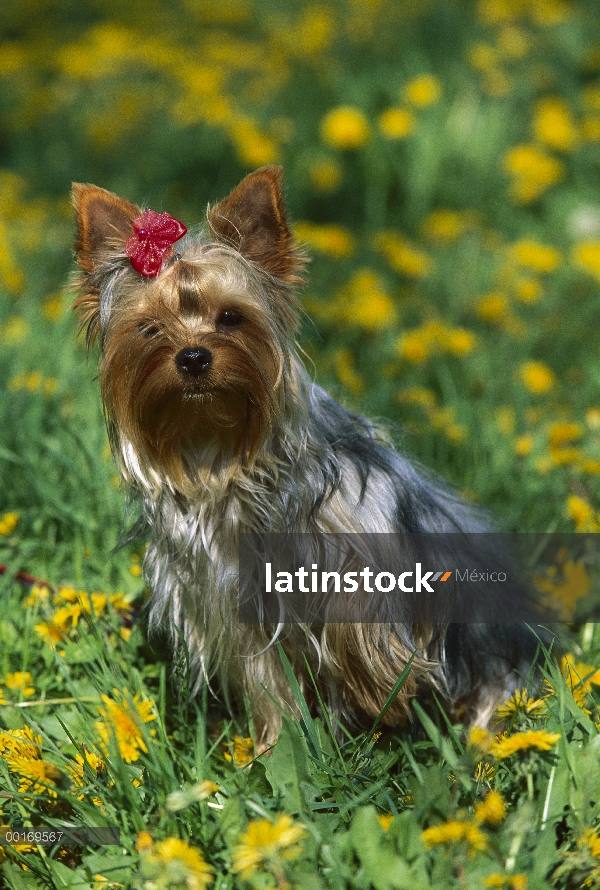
[229,319]
[148,330]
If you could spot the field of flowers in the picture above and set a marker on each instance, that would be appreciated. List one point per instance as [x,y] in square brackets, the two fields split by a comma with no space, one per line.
[442,162]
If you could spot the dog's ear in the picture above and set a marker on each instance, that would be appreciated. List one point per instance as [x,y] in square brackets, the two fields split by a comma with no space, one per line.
[253,220]
[103,224]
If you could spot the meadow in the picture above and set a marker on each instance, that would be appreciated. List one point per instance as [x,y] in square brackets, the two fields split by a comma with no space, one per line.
[442,163]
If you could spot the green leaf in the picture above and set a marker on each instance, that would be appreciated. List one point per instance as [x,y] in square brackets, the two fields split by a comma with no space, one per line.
[301,703]
[17,879]
[233,820]
[440,741]
[114,868]
[66,877]
[395,690]
[288,769]
[382,865]
[431,796]
[80,653]
[585,791]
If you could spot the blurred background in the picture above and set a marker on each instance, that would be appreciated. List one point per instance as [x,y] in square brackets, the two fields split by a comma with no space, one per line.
[442,163]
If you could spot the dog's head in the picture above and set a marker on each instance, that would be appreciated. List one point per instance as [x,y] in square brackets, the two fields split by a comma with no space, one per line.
[194,347]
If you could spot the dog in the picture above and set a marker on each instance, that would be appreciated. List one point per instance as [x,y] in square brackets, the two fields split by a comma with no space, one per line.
[215,422]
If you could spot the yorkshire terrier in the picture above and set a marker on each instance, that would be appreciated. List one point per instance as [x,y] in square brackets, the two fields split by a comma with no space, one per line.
[214,420]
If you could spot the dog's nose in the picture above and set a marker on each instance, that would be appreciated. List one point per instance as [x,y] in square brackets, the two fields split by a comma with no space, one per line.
[193,361]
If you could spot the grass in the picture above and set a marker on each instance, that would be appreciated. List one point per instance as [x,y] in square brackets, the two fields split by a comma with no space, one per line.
[453,292]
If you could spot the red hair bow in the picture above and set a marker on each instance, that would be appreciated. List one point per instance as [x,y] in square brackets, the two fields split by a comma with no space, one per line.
[153,236]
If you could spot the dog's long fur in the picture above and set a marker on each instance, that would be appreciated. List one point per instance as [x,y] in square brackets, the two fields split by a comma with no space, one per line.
[253,444]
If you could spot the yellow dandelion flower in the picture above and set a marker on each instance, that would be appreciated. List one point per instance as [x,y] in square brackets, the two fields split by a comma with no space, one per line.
[514,882]
[480,738]
[143,842]
[536,377]
[528,290]
[425,89]
[493,308]
[524,445]
[385,820]
[494,881]
[590,840]
[173,862]
[533,171]
[254,147]
[67,595]
[445,226]
[78,768]
[513,42]
[122,721]
[346,128]
[19,682]
[53,307]
[492,810]
[417,395]
[572,584]
[592,418]
[456,432]
[496,12]
[35,776]
[333,240]
[589,465]
[120,603]
[579,673]
[520,702]
[8,523]
[373,311]
[580,511]
[432,338]
[563,433]
[505,420]
[39,593]
[531,739]
[67,617]
[314,31]
[243,751]
[343,362]
[413,347]
[454,832]
[396,123]
[586,255]
[364,301]
[49,632]
[403,256]
[15,330]
[23,743]
[482,57]
[549,12]
[484,772]
[582,514]
[325,175]
[563,457]
[265,844]
[553,124]
[533,255]
[460,341]
[33,381]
